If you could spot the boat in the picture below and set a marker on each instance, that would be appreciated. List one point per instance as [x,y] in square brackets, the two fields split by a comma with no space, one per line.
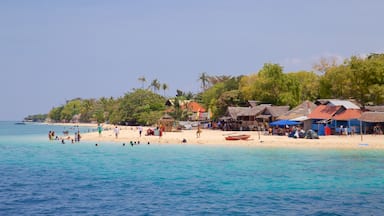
[20,123]
[238,137]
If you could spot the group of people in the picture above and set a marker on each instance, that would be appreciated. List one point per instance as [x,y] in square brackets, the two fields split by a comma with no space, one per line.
[77,137]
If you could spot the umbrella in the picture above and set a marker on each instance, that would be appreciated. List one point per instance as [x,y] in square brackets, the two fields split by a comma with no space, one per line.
[284,122]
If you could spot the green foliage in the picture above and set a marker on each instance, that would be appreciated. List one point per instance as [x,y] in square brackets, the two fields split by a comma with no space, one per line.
[36,118]
[358,78]
[141,107]
[55,113]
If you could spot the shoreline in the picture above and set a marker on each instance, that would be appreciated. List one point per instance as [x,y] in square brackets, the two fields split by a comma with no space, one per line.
[217,137]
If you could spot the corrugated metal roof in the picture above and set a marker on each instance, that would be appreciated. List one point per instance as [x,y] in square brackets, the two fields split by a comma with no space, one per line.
[324,112]
[348,114]
[344,103]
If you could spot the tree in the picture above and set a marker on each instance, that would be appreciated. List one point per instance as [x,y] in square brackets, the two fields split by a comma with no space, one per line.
[142,80]
[324,64]
[164,86]
[270,84]
[155,84]
[141,107]
[204,79]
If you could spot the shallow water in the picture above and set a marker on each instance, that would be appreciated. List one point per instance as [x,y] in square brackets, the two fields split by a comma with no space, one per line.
[41,177]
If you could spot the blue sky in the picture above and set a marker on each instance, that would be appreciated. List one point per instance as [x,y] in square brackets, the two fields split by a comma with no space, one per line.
[51,51]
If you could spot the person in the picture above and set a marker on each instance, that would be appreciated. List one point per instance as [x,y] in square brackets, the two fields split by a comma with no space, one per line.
[78,136]
[116,132]
[198,132]
[99,129]
[140,130]
[184,140]
[341,130]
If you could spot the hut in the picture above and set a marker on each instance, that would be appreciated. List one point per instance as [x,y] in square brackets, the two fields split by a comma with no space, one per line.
[372,122]
[166,122]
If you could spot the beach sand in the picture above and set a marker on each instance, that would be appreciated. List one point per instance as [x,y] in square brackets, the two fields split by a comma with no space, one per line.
[217,137]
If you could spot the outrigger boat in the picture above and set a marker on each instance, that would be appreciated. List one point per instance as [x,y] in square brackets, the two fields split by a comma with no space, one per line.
[238,137]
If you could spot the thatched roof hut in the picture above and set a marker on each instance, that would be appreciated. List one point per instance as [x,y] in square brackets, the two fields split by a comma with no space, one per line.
[375,117]
[167,122]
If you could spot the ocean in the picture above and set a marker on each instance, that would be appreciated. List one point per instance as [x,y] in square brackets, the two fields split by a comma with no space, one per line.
[42,177]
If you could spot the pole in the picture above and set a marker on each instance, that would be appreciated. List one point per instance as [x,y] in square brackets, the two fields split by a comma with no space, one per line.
[361,131]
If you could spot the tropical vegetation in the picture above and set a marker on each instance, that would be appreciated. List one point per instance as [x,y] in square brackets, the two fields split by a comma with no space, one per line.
[359,78]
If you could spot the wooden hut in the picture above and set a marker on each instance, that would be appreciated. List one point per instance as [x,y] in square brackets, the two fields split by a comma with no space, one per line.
[166,122]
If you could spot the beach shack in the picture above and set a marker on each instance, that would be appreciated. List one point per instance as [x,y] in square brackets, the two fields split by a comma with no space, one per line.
[300,113]
[254,117]
[372,122]
[166,122]
[330,116]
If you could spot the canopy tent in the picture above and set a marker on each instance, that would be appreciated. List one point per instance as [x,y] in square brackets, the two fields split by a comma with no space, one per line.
[283,123]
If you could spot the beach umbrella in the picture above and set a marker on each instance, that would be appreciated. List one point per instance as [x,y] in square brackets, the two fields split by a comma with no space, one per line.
[284,122]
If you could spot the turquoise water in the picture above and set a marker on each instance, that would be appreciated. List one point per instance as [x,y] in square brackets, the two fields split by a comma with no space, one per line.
[41,177]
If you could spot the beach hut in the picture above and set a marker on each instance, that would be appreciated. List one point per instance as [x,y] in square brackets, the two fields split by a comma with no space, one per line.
[166,122]
[372,122]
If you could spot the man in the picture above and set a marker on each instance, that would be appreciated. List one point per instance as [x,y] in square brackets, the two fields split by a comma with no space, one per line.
[116,130]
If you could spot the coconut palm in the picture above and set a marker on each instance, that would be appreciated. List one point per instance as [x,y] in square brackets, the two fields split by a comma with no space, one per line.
[155,84]
[142,80]
[204,79]
[164,86]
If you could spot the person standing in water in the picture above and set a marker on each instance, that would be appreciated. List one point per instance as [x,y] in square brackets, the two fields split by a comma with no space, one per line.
[99,129]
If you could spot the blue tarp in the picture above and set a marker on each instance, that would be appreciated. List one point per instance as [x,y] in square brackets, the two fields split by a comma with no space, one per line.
[283,123]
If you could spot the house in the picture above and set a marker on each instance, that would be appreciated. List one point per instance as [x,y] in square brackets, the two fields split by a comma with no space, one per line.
[256,116]
[196,111]
[332,114]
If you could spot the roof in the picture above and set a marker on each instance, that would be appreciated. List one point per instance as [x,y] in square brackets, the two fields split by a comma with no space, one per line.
[233,112]
[348,114]
[276,111]
[375,108]
[372,117]
[195,107]
[324,112]
[335,102]
[252,111]
[299,111]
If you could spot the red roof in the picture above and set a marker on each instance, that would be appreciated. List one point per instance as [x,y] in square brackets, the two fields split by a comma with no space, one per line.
[324,112]
[195,107]
[348,114]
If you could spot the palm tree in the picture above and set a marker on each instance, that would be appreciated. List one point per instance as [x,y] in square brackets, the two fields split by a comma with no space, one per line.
[164,87]
[204,79]
[142,80]
[155,84]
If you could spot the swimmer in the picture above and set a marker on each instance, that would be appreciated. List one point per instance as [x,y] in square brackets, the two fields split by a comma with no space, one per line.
[96,144]
[123,144]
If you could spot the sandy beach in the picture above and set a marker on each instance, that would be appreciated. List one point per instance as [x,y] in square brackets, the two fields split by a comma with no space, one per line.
[217,137]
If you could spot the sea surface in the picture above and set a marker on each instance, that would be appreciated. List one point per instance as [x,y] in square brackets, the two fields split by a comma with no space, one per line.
[42,177]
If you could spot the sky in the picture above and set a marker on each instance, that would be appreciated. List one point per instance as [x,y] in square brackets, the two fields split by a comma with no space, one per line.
[52,51]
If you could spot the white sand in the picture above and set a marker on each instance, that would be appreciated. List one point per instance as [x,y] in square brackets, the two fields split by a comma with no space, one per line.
[217,137]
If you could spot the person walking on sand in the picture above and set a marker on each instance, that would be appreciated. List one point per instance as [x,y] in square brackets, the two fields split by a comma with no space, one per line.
[198,132]
[116,130]
[140,130]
